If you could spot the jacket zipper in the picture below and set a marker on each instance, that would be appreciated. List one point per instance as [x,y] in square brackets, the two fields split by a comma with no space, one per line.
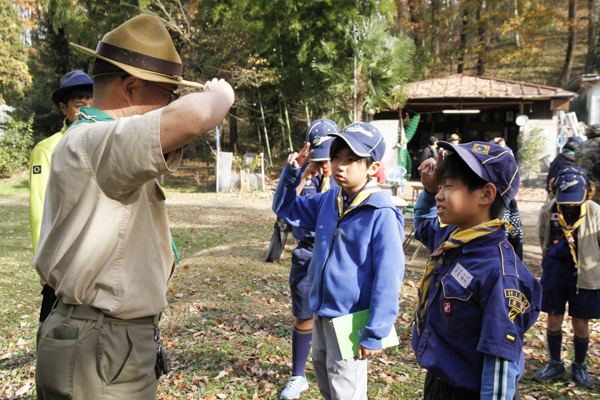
[327,261]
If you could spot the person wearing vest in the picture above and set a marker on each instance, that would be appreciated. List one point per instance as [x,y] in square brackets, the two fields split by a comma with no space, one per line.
[75,91]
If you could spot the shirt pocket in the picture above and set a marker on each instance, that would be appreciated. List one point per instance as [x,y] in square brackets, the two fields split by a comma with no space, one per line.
[456,307]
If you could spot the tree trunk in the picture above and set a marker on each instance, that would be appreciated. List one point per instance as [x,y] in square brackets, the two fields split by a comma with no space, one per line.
[484,41]
[591,60]
[517,37]
[233,129]
[415,22]
[262,114]
[462,51]
[566,73]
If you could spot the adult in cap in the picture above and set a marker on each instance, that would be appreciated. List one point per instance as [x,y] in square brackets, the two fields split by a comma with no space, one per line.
[565,159]
[586,155]
[74,91]
[105,242]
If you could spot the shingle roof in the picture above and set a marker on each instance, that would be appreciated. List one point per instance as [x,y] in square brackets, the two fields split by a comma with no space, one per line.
[470,86]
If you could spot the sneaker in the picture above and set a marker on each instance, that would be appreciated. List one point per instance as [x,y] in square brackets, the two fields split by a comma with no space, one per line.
[580,375]
[553,370]
[296,385]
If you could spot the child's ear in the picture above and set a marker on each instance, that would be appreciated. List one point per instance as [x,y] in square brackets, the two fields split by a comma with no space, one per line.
[63,107]
[489,194]
[373,168]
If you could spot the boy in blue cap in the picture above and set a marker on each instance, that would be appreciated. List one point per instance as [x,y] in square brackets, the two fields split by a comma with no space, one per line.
[476,299]
[75,91]
[358,261]
[316,178]
[568,232]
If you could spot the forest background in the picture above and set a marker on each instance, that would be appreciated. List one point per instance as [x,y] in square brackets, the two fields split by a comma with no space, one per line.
[293,61]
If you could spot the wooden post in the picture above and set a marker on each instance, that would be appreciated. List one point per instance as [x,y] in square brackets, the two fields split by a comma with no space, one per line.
[262,170]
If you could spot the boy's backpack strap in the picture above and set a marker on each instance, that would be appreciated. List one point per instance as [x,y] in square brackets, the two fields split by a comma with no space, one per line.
[508,258]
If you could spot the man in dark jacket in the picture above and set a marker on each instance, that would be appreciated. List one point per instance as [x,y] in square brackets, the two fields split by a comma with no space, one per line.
[430,151]
[564,159]
[587,154]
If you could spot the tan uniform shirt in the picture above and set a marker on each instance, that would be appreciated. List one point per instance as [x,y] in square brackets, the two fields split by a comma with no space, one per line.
[105,237]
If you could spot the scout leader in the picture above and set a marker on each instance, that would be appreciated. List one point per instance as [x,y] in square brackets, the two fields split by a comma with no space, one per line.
[105,241]
[476,299]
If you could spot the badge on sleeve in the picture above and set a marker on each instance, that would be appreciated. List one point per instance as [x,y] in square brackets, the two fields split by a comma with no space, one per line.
[37,169]
[517,302]
[509,337]
[554,217]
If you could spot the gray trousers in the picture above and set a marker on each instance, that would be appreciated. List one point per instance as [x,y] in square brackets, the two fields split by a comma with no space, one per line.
[337,379]
[87,355]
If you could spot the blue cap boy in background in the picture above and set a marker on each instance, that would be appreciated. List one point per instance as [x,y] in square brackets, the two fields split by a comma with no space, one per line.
[316,178]
[476,299]
[568,232]
[358,260]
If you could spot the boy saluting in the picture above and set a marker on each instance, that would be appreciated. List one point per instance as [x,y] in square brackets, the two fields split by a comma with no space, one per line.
[476,299]
[357,262]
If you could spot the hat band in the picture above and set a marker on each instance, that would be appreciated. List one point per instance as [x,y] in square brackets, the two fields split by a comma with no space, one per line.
[139,60]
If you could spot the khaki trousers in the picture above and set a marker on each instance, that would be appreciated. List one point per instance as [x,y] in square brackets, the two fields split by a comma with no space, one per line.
[83,354]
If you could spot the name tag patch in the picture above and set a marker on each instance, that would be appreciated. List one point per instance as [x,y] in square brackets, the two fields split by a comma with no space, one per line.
[461,275]
[37,169]
[447,307]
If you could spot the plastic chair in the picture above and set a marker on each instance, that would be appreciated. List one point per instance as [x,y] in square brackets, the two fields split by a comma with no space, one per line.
[395,176]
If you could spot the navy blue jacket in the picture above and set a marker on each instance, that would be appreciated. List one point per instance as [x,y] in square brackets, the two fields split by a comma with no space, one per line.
[487,311]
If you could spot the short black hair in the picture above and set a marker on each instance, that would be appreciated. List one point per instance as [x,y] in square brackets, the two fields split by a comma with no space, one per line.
[432,140]
[77,93]
[454,167]
[340,144]
[104,73]
[571,145]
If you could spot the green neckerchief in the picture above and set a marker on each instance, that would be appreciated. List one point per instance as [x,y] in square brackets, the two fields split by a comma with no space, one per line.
[90,115]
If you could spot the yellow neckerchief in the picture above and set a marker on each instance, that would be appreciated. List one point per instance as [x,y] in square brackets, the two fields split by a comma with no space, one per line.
[326,184]
[568,230]
[364,193]
[456,239]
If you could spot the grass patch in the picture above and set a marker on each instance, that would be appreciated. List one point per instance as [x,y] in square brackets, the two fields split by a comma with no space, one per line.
[227,326]
[15,189]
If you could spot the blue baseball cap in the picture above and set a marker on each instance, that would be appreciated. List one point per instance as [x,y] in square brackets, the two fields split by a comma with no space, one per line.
[364,140]
[71,81]
[316,135]
[571,185]
[492,163]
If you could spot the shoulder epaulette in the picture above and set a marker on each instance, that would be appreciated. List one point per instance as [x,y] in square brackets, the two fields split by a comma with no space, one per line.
[509,259]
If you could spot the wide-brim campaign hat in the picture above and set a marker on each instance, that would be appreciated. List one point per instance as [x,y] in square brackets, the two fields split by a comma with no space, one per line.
[364,140]
[72,80]
[317,135]
[571,185]
[492,163]
[143,48]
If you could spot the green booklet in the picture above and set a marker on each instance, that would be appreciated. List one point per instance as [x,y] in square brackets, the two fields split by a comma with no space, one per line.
[348,330]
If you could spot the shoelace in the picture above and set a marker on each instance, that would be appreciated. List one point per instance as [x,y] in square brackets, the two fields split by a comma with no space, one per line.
[293,383]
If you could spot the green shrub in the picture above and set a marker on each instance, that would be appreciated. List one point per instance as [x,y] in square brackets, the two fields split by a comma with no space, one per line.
[531,152]
[16,137]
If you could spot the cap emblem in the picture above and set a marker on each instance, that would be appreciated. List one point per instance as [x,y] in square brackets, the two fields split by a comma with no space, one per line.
[481,149]
[565,185]
[358,129]
[319,140]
